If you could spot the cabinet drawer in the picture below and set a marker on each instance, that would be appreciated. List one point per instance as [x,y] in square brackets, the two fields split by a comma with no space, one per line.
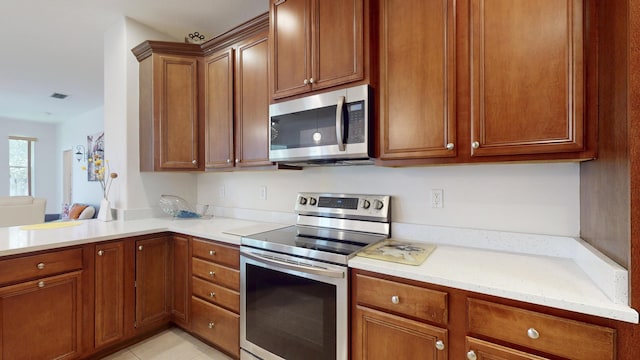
[216,252]
[216,325]
[426,304]
[554,335]
[215,273]
[216,294]
[486,350]
[34,266]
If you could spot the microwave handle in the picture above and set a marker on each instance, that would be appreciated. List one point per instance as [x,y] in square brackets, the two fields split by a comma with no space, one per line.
[340,123]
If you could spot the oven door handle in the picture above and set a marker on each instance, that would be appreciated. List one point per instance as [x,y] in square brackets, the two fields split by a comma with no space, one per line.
[297,267]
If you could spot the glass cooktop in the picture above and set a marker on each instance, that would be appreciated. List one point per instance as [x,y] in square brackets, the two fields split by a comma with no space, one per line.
[316,243]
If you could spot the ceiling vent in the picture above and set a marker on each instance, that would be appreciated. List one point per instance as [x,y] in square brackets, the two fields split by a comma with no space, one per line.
[56,95]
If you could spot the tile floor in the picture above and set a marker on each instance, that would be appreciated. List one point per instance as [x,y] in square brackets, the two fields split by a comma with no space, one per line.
[172,344]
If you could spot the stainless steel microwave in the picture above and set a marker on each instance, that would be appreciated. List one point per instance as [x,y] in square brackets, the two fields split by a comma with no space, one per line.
[328,128]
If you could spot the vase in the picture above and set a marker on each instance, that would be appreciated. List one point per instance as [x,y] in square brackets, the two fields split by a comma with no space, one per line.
[104,213]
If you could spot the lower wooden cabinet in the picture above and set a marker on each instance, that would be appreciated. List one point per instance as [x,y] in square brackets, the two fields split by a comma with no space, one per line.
[483,350]
[153,295]
[396,318]
[42,318]
[381,336]
[216,325]
[109,293]
[180,281]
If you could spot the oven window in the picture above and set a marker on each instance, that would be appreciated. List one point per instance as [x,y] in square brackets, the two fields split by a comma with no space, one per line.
[290,316]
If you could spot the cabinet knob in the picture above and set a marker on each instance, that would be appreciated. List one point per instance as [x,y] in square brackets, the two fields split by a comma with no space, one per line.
[211,325]
[41,284]
[533,333]
[237,161]
[100,252]
[140,248]
[194,162]
[471,355]
[212,252]
[212,273]
[440,345]
[450,146]
[212,294]
[40,266]
[228,161]
[306,82]
[311,81]
[475,144]
[395,299]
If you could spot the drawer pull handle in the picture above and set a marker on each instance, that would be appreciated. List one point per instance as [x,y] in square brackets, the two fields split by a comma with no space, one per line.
[395,299]
[212,252]
[471,355]
[211,325]
[533,333]
[440,345]
[212,273]
[100,252]
[41,284]
[40,266]
[212,294]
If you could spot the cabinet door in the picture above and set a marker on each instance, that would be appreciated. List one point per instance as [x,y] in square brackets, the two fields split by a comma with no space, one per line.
[337,42]
[527,77]
[176,111]
[152,281]
[252,102]
[382,336]
[482,350]
[417,79]
[218,75]
[42,319]
[109,293]
[290,47]
[181,278]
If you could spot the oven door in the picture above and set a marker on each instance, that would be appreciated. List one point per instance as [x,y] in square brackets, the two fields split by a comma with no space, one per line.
[292,308]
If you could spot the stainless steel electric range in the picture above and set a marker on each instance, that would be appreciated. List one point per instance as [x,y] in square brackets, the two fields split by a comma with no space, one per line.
[294,280]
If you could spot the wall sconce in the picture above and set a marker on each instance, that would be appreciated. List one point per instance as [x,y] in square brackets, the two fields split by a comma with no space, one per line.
[80,153]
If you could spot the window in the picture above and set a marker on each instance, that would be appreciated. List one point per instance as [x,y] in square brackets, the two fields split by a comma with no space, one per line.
[21,165]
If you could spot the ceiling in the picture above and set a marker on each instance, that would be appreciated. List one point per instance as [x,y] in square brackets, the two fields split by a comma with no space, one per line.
[57,46]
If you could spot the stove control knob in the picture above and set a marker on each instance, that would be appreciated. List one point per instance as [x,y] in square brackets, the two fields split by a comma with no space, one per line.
[377,204]
[312,201]
[366,204]
[303,200]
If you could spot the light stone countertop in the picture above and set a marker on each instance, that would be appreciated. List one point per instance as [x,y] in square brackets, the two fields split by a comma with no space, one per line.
[565,274]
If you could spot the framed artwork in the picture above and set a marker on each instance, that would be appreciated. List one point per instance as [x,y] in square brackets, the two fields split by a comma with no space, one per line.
[95,150]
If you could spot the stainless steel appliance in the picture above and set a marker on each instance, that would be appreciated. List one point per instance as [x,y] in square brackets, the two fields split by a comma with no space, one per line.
[328,128]
[294,281]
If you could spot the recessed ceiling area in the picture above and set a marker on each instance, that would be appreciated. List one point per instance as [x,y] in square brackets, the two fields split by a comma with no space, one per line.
[57,46]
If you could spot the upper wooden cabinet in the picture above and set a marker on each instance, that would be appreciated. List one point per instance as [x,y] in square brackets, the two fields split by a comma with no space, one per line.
[417,82]
[527,77]
[315,44]
[218,110]
[169,106]
[252,102]
[487,81]
[237,101]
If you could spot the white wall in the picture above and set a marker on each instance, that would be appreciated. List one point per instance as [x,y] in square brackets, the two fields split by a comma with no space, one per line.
[71,133]
[530,198]
[133,192]
[47,180]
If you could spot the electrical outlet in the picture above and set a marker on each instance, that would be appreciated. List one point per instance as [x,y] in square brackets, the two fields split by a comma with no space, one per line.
[221,192]
[263,193]
[437,198]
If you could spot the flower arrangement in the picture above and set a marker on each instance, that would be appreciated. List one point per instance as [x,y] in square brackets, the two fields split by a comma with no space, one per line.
[103,173]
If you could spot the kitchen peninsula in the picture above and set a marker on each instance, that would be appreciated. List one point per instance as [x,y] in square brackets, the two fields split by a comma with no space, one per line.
[549,275]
